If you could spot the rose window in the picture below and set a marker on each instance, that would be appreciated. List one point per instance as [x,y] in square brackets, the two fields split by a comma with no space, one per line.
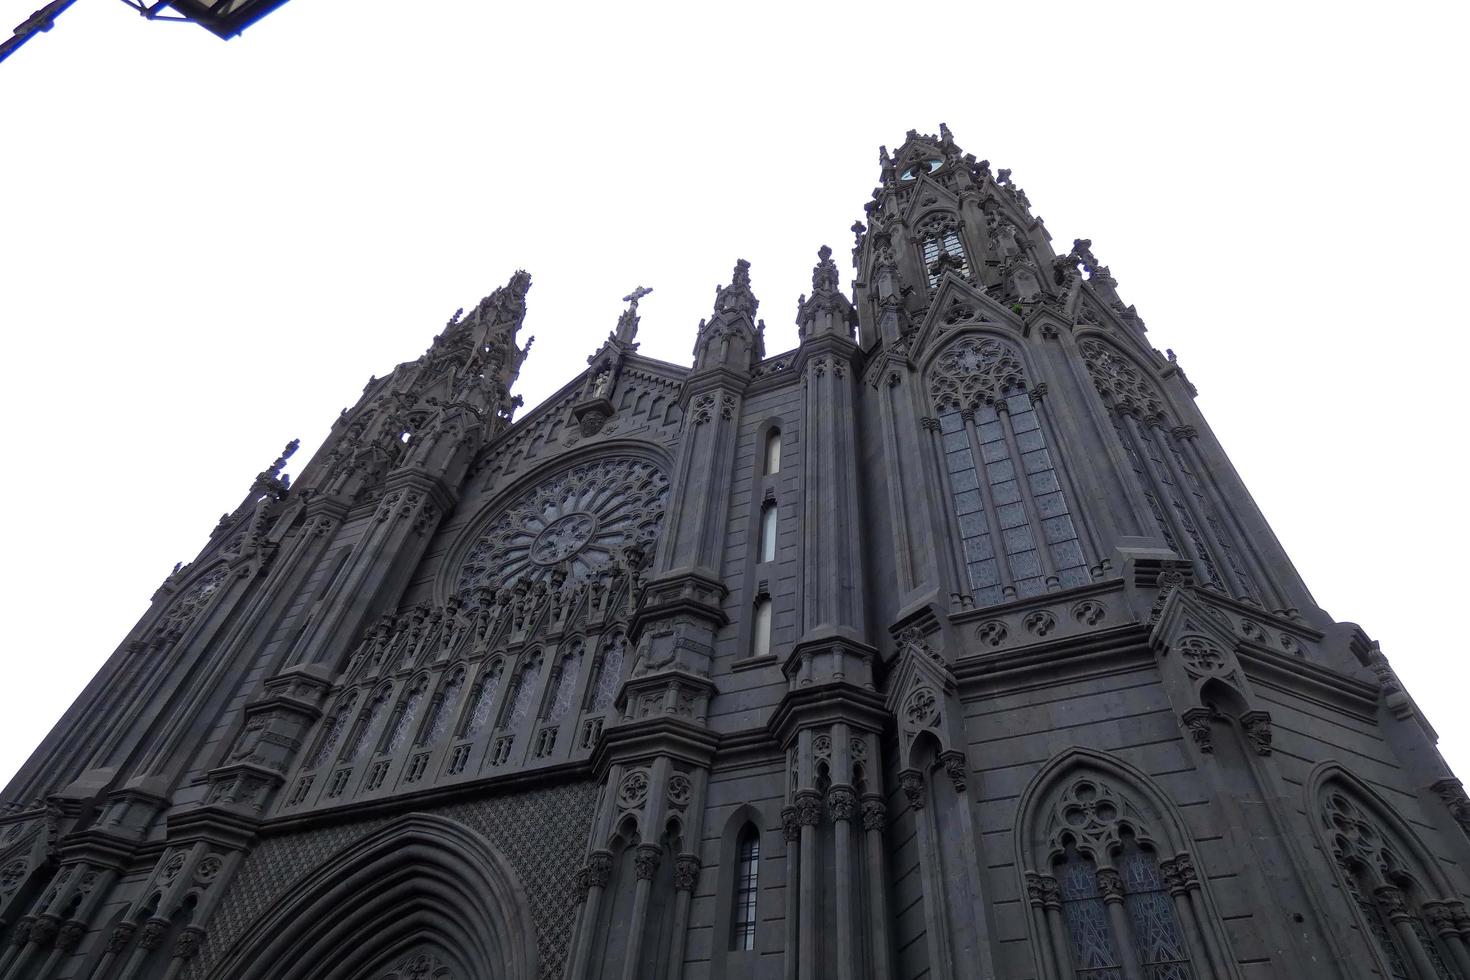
[580,520]
[563,538]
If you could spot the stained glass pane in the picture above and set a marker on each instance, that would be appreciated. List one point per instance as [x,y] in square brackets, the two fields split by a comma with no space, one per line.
[525,692]
[566,687]
[406,718]
[612,672]
[1431,949]
[444,709]
[360,737]
[484,698]
[339,724]
[1381,934]
[1156,933]
[1094,951]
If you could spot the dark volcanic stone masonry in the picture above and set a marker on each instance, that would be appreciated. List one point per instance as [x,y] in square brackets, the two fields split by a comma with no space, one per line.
[946,645]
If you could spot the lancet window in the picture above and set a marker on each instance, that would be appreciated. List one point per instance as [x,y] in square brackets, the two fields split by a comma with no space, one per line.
[566,683]
[1164,462]
[408,713]
[341,718]
[773,452]
[760,639]
[940,236]
[747,886]
[483,699]
[443,707]
[1016,532]
[525,691]
[768,532]
[610,672]
[1407,909]
[365,725]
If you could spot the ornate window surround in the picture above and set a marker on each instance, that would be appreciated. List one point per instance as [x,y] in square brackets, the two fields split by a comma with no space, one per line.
[1052,816]
[1420,917]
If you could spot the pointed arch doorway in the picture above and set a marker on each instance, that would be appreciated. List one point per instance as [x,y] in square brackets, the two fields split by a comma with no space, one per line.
[424,898]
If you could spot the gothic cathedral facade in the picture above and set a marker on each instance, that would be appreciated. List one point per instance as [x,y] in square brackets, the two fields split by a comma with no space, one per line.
[946,645]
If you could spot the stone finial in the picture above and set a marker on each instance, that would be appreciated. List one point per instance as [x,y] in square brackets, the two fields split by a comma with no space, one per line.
[737,297]
[824,276]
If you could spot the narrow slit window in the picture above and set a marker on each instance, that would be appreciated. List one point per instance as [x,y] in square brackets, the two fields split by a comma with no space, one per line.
[760,640]
[773,452]
[768,533]
[747,874]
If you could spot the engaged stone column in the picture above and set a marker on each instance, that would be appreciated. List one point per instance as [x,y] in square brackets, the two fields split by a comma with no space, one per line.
[842,802]
[791,832]
[1110,883]
[686,873]
[593,879]
[875,821]
[645,866]
[809,814]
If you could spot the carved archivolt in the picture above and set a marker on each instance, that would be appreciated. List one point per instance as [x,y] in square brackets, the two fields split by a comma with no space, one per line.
[975,370]
[1120,381]
[580,521]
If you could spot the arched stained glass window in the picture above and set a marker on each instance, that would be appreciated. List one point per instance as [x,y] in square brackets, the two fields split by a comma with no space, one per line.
[611,673]
[366,725]
[747,886]
[407,714]
[566,685]
[340,720]
[525,691]
[443,708]
[484,699]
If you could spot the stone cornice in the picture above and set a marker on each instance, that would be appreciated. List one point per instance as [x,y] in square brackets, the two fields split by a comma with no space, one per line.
[657,735]
[826,703]
[711,379]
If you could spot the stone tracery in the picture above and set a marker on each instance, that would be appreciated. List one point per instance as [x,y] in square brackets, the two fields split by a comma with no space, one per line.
[1120,381]
[975,370]
[581,519]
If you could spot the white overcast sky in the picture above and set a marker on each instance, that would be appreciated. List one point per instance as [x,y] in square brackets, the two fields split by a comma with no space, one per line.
[207,247]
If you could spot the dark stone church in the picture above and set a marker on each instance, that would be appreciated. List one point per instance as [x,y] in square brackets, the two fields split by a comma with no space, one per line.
[946,645]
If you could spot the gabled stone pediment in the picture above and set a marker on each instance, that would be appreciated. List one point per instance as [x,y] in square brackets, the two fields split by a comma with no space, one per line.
[928,194]
[958,304]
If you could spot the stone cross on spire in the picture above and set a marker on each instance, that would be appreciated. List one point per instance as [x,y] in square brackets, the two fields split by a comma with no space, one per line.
[628,322]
